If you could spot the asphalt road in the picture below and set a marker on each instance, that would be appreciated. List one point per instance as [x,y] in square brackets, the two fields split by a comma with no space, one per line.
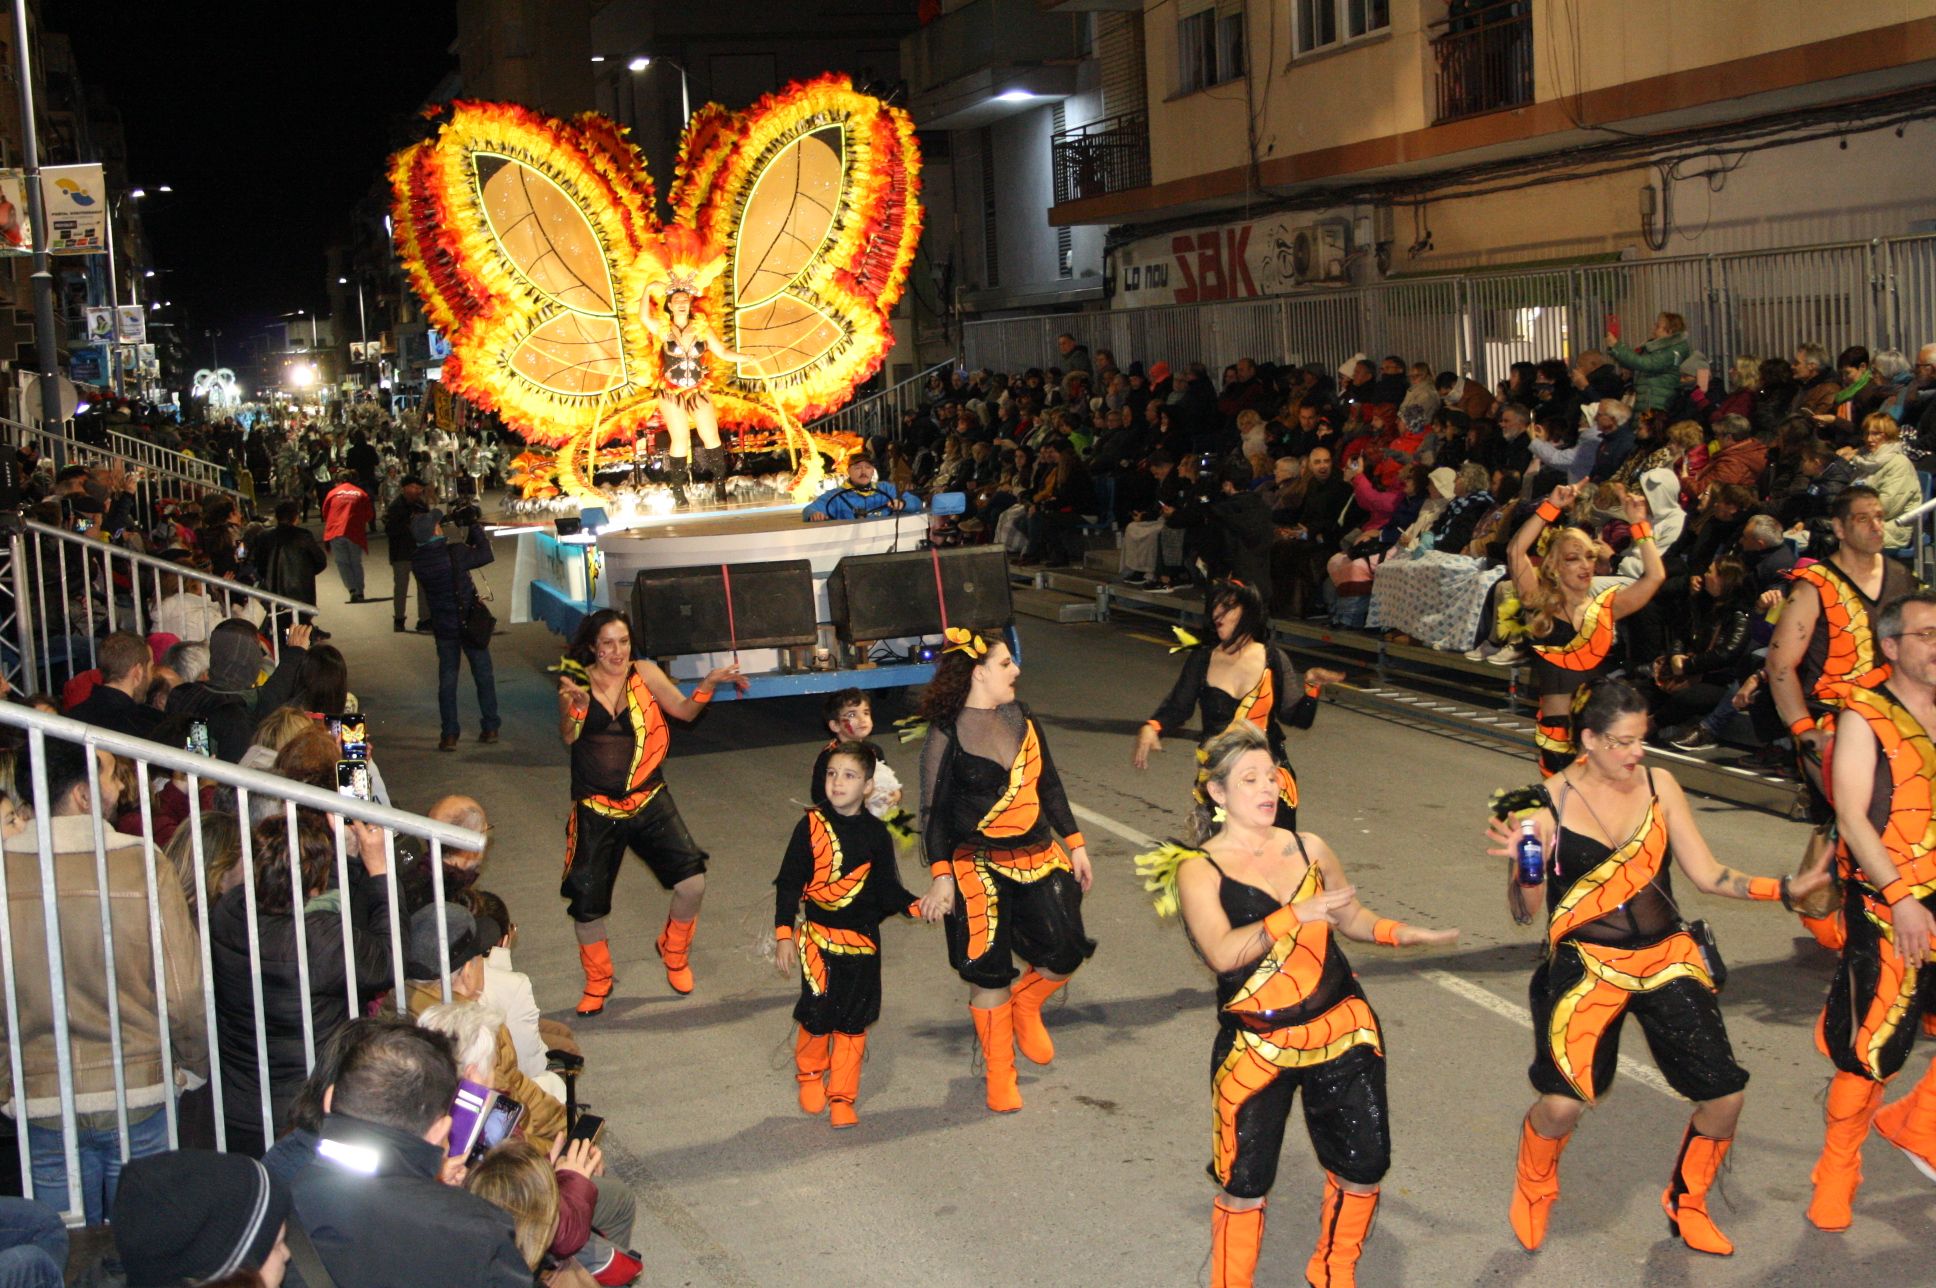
[1100,1180]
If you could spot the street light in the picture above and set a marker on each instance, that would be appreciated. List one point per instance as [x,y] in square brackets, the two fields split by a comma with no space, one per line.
[641,62]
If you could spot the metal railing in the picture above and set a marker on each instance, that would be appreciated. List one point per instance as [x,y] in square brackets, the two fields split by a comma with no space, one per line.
[880,413]
[51,886]
[1880,293]
[68,590]
[157,457]
[1110,155]
[1485,60]
[160,480]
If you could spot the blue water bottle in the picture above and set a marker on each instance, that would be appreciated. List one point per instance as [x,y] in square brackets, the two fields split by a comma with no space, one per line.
[1530,855]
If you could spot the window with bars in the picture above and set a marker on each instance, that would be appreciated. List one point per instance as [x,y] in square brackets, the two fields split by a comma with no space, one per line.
[1210,49]
[1320,24]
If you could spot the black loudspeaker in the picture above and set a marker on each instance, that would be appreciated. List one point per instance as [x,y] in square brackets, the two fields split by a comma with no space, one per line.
[684,610]
[877,597]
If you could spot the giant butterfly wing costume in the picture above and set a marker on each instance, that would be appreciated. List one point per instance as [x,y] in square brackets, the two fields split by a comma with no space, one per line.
[534,245]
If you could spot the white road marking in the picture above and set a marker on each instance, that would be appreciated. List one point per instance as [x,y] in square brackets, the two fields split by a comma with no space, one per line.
[1459,986]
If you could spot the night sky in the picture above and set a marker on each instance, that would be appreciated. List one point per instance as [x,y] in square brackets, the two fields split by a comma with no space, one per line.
[270,119]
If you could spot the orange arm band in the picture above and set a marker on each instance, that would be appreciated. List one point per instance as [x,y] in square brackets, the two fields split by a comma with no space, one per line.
[782,933]
[1765,888]
[1073,841]
[1642,531]
[702,695]
[1155,724]
[1547,512]
[1312,690]
[1896,891]
[1386,931]
[941,868]
[1801,725]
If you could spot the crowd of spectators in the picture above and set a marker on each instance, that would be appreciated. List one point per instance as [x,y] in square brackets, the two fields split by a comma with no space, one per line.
[1383,494]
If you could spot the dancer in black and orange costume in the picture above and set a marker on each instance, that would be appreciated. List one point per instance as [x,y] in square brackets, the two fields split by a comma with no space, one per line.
[615,725]
[1571,629]
[1264,907]
[839,882]
[1241,678]
[992,806]
[1884,993]
[1616,945]
[1825,646]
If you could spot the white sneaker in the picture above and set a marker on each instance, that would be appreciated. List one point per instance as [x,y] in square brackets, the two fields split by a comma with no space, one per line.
[1507,655]
[1477,654]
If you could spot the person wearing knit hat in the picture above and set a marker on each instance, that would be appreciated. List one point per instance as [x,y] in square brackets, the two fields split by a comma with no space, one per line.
[191,1216]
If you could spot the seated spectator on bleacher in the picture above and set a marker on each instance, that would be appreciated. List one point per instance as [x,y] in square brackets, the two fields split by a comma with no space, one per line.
[1063,501]
[508,991]
[76,811]
[1153,549]
[1618,437]
[1692,688]
[377,1197]
[184,609]
[1308,534]
[1566,449]
[1744,382]
[127,664]
[274,965]
[1740,458]
[1769,556]
[1887,469]
[1827,474]
[198,1217]
[229,698]
[1656,364]
[1466,396]
[863,496]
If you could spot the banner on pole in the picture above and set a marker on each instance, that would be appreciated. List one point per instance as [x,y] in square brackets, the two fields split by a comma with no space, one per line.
[77,209]
[100,324]
[133,323]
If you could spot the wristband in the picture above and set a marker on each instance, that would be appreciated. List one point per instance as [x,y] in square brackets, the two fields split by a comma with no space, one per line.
[1768,889]
[1154,724]
[702,695]
[1547,512]
[1281,923]
[782,934]
[1385,932]
[941,868]
[1642,531]
[1895,892]
[1312,690]
[1786,901]
[1073,841]
[1801,725]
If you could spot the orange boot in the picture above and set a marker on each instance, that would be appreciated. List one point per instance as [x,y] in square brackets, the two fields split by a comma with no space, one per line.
[1852,1103]
[672,945]
[1910,1124]
[1537,1184]
[995,1026]
[1344,1223]
[1236,1234]
[810,1062]
[1685,1198]
[1028,995]
[843,1084]
[596,958]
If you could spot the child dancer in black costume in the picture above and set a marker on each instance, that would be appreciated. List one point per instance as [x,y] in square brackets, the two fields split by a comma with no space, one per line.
[839,882]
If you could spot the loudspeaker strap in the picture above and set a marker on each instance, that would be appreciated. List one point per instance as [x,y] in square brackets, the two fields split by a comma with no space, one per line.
[732,631]
[940,591]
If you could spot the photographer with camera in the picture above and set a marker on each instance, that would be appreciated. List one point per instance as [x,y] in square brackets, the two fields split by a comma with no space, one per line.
[459,621]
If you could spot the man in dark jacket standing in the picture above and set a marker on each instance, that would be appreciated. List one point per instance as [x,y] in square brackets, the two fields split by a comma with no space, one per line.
[1308,533]
[373,1201]
[396,526]
[444,581]
[288,556]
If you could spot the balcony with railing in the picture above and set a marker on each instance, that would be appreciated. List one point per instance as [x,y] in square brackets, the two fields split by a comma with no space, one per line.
[1110,155]
[1485,59]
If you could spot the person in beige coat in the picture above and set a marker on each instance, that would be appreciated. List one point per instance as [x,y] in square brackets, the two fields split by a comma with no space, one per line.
[88,986]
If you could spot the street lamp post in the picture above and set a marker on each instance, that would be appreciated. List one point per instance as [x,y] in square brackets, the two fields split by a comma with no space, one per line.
[642,61]
[43,279]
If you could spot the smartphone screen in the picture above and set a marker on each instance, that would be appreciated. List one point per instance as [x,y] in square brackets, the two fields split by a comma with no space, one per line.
[499,1123]
[587,1127]
[198,740]
[83,523]
[351,734]
[353,778]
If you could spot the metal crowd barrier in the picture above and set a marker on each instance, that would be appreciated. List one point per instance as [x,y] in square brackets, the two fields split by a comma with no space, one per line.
[162,479]
[67,590]
[248,785]
[157,457]
[880,413]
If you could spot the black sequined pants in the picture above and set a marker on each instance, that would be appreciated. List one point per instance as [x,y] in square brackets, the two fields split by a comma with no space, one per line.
[1344,1113]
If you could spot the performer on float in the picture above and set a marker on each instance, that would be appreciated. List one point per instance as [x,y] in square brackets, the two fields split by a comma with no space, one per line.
[1241,678]
[1824,646]
[1616,944]
[1264,907]
[863,497]
[992,806]
[838,880]
[685,398]
[1884,777]
[612,709]
[1571,628]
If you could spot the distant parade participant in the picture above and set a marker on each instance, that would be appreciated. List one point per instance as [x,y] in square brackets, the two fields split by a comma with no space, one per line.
[838,882]
[1570,626]
[1239,677]
[992,806]
[1883,994]
[863,497]
[612,711]
[1825,645]
[1609,832]
[1264,907]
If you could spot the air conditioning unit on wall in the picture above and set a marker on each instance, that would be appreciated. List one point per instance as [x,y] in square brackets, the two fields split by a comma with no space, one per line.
[1318,251]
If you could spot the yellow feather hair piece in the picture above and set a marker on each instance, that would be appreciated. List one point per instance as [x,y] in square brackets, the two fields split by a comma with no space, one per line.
[1158,868]
[1184,640]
